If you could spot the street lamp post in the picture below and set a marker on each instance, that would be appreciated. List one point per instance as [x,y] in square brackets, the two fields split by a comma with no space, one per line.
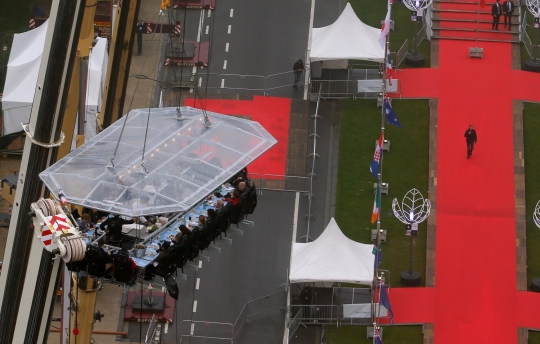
[414,209]
[415,59]
[533,64]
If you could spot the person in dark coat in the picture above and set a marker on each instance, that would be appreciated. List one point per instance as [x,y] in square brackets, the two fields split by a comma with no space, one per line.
[508,10]
[298,68]
[496,12]
[470,137]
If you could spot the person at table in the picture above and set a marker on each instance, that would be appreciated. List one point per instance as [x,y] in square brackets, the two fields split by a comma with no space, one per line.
[95,215]
[219,206]
[212,214]
[85,224]
[114,225]
[233,198]
[179,236]
[202,221]
[243,188]
[156,268]
[241,176]
[104,253]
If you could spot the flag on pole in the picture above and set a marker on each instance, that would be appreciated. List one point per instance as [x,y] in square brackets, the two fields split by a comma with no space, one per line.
[379,256]
[385,301]
[376,204]
[391,117]
[376,336]
[385,29]
[374,168]
[389,60]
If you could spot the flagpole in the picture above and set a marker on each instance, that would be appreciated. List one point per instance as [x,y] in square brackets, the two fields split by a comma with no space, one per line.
[385,69]
[378,237]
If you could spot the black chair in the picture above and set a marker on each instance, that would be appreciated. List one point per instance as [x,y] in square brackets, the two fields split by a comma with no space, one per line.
[250,201]
[203,239]
[213,231]
[237,213]
[178,251]
[123,270]
[223,220]
[195,242]
[95,263]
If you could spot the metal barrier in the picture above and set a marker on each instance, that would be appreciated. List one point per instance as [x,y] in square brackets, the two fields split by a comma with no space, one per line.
[295,323]
[317,314]
[420,36]
[335,89]
[284,183]
[206,330]
[207,81]
[264,304]
[525,38]
[243,82]
[280,80]
[402,53]
[240,320]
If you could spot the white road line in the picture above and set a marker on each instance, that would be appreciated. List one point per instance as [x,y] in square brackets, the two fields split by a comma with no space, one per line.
[192,329]
[166,329]
[201,20]
[232,12]
[226,47]
[225,64]
[222,83]
[200,81]
[163,289]
[209,13]
[200,264]
[195,306]
[194,70]
[207,28]
[229,29]
[198,283]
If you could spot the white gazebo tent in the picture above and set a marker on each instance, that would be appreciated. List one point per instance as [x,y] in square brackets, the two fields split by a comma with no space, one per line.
[21,78]
[347,38]
[332,257]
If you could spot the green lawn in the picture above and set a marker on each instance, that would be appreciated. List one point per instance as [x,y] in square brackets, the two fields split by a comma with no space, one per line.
[531,125]
[391,334]
[372,12]
[404,167]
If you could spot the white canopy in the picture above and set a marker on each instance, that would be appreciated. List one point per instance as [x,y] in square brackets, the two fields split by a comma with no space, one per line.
[332,257]
[347,38]
[21,78]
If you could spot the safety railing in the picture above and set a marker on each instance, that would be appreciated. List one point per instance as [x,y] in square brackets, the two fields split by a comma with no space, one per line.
[207,81]
[255,83]
[206,330]
[402,53]
[283,183]
[335,89]
[294,324]
[317,314]
[264,304]
[525,38]
[420,36]
[280,80]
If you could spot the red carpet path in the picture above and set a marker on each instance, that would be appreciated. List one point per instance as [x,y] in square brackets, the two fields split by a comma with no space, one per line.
[475,298]
[273,114]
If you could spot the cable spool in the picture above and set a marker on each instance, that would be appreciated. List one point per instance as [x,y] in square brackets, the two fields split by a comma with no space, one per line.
[75,249]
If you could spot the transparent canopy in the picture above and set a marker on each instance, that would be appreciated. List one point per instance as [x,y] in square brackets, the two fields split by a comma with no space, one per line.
[184,161]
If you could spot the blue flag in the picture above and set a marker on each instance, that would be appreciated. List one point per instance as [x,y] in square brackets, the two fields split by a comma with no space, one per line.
[385,301]
[391,117]
[377,337]
[374,167]
[379,258]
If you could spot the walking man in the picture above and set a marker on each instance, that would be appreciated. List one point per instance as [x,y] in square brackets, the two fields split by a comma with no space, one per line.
[298,68]
[496,12]
[470,137]
[508,10]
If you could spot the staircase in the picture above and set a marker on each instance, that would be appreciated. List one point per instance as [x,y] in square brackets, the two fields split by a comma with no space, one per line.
[466,20]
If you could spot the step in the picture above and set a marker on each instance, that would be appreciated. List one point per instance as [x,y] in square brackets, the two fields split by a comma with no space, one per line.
[482,26]
[504,32]
[473,39]
[435,10]
[494,36]
[470,15]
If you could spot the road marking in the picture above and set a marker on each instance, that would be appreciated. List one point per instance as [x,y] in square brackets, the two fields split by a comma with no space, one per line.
[201,20]
[198,283]
[207,28]
[195,306]
[225,64]
[229,29]
[295,220]
[232,12]
[200,81]
[222,83]
[209,12]
[226,47]
[163,289]
[192,328]
[166,329]
[200,264]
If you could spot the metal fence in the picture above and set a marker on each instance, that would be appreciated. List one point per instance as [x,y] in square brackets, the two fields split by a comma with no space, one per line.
[317,314]
[525,38]
[280,80]
[420,36]
[283,183]
[243,82]
[264,304]
[294,324]
[214,82]
[206,330]
[402,53]
[335,89]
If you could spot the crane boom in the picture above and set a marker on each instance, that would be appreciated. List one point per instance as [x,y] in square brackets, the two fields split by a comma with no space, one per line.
[29,276]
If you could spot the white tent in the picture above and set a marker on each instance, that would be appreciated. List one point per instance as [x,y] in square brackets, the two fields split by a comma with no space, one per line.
[332,257]
[22,72]
[347,38]
[21,77]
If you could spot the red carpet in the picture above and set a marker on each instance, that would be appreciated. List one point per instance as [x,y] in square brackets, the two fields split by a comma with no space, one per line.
[273,114]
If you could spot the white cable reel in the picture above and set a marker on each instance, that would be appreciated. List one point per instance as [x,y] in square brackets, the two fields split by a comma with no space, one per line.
[56,232]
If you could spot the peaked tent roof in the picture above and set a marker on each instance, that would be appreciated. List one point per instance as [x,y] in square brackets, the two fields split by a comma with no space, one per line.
[347,38]
[332,257]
